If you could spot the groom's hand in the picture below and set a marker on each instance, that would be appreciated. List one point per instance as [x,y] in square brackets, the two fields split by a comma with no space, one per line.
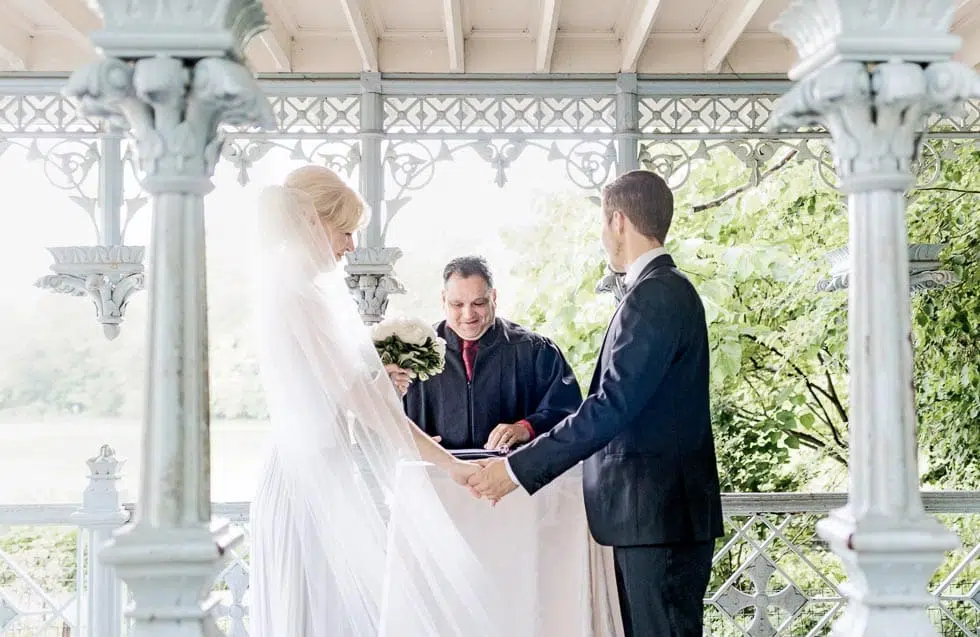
[493,482]
[505,435]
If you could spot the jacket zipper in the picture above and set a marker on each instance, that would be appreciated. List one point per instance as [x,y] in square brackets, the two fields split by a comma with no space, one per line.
[469,411]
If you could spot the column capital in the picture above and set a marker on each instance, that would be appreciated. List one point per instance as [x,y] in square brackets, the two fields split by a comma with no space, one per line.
[371,280]
[876,114]
[827,32]
[173,107]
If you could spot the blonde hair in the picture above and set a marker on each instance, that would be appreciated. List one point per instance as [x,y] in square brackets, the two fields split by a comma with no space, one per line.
[335,202]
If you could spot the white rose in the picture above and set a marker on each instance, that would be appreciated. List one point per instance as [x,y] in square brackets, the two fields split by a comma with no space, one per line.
[414,331]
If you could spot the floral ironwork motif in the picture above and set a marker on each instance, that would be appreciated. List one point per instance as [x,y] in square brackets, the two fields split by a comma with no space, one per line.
[243,152]
[411,164]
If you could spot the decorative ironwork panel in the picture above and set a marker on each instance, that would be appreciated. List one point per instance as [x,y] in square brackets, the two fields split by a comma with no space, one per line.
[38,581]
[694,114]
[771,575]
[315,115]
[675,159]
[43,114]
[499,115]
[748,115]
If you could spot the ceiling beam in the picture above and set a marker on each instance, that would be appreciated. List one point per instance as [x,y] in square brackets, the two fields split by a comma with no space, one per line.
[277,40]
[719,41]
[966,24]
[74,18]
[452,13]
[15,45]
[364,32]
[636,34]
[547,30]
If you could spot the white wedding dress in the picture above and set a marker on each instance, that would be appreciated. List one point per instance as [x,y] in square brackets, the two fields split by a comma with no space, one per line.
[319,558]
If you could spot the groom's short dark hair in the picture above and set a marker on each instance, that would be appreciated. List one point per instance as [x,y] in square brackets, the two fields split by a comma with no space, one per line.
[645,199]
[465,267]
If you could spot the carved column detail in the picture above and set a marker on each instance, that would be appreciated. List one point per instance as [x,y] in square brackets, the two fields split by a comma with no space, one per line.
[871,71]
[173,72]
[371,279]
[108,273]
[925,269]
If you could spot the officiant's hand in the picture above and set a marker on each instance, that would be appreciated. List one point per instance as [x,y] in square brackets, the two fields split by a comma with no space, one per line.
[505,435]
[492,482]
[400,378]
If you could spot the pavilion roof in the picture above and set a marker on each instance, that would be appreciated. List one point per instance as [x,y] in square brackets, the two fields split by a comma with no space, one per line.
[469,36]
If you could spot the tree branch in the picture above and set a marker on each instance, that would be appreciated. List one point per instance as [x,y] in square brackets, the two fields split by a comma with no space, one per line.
[714,203]
[948,189]
[811,387]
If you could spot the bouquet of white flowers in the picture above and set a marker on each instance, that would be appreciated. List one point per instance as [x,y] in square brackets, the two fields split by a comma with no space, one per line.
[411,344]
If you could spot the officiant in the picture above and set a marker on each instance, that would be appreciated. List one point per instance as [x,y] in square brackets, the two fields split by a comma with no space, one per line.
[503,384]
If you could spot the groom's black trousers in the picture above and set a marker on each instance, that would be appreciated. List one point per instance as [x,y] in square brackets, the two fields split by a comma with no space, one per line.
[661,588]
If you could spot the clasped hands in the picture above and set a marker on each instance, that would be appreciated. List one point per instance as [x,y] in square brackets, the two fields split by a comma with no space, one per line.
[486,479]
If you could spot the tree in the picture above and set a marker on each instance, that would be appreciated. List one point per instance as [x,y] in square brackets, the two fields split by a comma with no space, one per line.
[755,243]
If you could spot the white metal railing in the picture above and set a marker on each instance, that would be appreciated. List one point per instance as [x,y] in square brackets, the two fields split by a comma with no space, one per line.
[772,575]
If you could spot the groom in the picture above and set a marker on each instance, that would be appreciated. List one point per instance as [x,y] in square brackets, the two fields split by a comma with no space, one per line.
[644,431]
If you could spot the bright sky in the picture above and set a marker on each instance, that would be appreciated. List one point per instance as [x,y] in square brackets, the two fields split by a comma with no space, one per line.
[461,211]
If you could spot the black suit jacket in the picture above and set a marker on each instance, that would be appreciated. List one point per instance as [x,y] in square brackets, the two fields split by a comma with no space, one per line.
[644,431]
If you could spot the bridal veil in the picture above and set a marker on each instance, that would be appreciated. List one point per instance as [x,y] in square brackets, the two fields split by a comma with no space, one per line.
[319,529]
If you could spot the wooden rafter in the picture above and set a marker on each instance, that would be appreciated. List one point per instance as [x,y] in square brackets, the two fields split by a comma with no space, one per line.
[719,41]
[452,13]
[547,30]
[636,33]
[364,32]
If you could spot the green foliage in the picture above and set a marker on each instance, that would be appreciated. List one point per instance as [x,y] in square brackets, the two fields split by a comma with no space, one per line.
[946,324]
[756,245]
[563,261]
[46,553]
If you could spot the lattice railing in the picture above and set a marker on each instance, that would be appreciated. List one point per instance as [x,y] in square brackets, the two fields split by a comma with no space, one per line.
[772,575]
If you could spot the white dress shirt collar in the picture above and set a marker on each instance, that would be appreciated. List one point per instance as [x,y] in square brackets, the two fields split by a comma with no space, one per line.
[636,268]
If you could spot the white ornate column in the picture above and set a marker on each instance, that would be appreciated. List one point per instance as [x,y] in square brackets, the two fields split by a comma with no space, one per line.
[173,71]
[101,513]
[871,71]
[108,273]
[371,267]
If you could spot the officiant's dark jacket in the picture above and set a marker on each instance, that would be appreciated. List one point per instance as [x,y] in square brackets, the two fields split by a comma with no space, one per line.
[644,429]
[517,375]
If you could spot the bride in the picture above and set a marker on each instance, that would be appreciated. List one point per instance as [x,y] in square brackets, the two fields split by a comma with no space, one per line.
[320,543]
[318,535]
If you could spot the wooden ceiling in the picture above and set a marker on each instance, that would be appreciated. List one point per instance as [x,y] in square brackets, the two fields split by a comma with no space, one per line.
[468,36]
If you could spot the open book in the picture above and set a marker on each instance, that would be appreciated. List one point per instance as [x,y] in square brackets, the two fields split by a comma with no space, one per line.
[477,454]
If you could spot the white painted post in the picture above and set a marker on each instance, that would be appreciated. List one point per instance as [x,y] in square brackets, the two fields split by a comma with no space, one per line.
[173,71]
[101,513]
[871,72]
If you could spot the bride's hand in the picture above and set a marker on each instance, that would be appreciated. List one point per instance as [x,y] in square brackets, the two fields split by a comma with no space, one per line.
[461,471]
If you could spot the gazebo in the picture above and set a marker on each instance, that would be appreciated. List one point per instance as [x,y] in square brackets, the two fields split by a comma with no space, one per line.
[391,90]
